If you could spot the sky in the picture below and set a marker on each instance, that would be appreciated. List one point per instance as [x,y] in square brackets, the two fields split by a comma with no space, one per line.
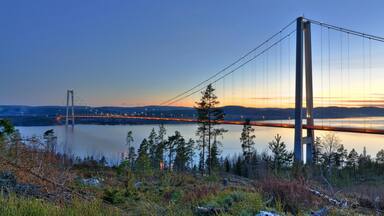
[141,52]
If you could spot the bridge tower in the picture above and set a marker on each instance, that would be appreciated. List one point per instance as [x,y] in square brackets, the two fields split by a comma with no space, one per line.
[303,52]
[70,106]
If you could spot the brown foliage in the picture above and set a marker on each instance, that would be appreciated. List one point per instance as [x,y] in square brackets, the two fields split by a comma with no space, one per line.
[34,165]
[293,195]
[198,192]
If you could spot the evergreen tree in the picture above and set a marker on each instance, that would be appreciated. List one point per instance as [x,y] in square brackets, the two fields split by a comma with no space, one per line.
[215,150]
[280,155]
[143,162]
[340,157]
[215,153]
[238,166]
[159,153]
[152,146]
[190,151]
[247,139]
[201,161]
[6,128]
[129,141]
[184,153]
[131,157]
[380,157]
[208,115]
[171,144]
[227,165]
[317,151]
[365,161]
[353,160]
[50,140]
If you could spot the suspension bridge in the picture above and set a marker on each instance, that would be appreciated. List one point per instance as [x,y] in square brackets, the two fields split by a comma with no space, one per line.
[305,64]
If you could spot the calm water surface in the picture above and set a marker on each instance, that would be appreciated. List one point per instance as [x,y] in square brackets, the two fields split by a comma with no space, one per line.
[109,140]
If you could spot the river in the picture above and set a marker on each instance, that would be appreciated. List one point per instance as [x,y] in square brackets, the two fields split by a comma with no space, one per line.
[109,140]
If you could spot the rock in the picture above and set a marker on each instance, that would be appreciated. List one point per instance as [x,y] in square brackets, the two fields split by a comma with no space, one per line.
[267,213]
[7,182]
[208,210]
[138,185]
[321,212]
[225,181]
[91,182]
[28,190]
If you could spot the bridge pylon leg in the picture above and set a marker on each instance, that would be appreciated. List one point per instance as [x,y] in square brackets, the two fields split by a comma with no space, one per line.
[70,105]
[303,31]
[309,91]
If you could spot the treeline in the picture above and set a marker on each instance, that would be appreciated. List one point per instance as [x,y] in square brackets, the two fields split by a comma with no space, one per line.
[156,152]
[331,161]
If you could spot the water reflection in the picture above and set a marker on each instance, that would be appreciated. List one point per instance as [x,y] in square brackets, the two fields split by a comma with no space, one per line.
[109,140]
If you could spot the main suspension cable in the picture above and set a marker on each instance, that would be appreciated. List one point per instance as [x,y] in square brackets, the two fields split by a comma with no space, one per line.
[230,65]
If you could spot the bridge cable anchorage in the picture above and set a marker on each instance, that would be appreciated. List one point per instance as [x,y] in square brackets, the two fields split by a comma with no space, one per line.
[230,65]
[233,70]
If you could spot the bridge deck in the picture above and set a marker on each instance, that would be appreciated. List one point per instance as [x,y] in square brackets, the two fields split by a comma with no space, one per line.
[253,123]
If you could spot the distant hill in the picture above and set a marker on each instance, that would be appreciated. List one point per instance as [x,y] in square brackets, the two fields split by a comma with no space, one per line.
[45,115]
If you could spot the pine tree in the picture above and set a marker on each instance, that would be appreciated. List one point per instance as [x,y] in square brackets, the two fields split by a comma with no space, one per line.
[215,148]
[380,157]
[131,157]
[317,151]
[50,140]
[159,153]
[6,128]
[171,145]
[214,159]
[152,146]
[143,162]
[183,154]
[190,152]
[247,140]
[129,141]
[227,165]
[340,157]
[353,160]
[208,115]
[238,166]
[280,155]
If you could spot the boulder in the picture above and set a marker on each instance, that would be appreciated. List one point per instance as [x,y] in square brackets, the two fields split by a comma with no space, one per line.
[91,182]
[7,182]
[28,190]
[267,213]
[138,185]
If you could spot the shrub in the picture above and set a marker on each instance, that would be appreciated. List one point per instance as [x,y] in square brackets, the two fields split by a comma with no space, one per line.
[113,196]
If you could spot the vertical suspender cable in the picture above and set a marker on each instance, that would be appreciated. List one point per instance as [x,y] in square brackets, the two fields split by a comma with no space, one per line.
[242,87]
[322,75]
[232,90]
[267,81]
[255,84]
[370,78]
[341,71]
[280,75]
[349,68]
[289,73]
[329,71]
[364,80]
[223,94]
